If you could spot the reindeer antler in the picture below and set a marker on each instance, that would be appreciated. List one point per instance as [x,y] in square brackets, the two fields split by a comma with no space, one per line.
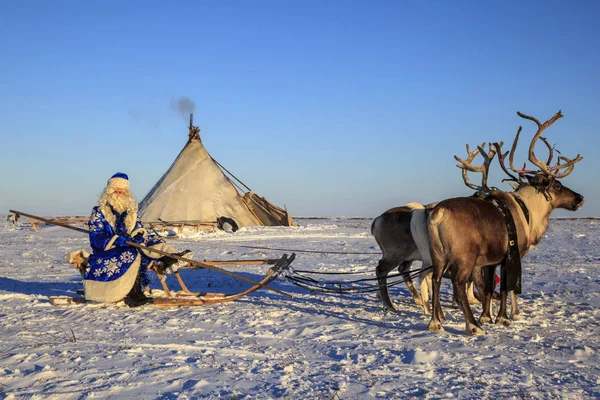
[569,166]
[550,150]
[502,157]
[467,165]
[544,167]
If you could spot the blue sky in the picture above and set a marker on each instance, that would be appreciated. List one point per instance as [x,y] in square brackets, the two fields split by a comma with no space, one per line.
[332,108]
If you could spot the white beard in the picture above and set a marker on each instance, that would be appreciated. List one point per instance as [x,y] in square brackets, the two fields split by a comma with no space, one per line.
[119,203]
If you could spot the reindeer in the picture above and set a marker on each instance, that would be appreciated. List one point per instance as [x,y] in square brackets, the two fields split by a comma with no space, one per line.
[392,231]
[470,233]
[397,232]
[418,227]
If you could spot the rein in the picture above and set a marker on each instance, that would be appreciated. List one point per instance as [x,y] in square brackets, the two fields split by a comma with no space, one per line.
[320,286]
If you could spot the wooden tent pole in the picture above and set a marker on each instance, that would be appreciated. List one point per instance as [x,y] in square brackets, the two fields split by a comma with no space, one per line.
[234,177]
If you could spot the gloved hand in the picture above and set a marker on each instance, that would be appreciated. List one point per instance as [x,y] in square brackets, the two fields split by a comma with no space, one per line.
[139,238]
[120,242]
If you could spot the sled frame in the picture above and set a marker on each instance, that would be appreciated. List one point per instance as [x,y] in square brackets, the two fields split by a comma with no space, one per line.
[189,298]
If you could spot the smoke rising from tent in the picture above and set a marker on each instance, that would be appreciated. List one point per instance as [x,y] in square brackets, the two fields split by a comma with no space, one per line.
[183,106]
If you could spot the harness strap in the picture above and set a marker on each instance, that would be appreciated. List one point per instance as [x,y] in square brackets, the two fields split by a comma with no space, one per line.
[523,207]
[513,258]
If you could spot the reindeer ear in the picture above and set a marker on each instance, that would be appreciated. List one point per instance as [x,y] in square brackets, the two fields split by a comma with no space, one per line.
[515,186]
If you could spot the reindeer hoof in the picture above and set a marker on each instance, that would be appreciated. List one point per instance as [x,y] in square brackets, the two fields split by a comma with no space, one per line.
[473,330]
[485,320]
[516,316]
[504,321]
[418,301]
[435,326]
[389,308]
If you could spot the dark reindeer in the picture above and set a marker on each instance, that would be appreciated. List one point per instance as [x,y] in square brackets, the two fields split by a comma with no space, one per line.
[470,233]
[392,233]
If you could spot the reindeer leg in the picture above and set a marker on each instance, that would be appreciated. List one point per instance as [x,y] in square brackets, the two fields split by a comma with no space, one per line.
[502,317]
[429,282]
[513,305]
[488,293]
[462,277]
[471,293]
[439,304]
[404,269]
[435,324]
[455,299]
[450,273]
[425,278]
[477,277]
[382,271]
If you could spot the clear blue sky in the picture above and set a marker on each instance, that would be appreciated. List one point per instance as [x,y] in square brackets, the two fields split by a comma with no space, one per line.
[331,107]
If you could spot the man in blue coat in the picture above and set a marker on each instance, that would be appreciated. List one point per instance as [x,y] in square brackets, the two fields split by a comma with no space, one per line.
[116,271]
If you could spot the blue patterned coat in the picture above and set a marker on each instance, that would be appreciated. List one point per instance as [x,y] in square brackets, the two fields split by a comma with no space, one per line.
[114,265]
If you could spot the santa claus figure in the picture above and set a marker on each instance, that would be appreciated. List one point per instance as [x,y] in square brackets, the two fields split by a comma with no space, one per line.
[117,271]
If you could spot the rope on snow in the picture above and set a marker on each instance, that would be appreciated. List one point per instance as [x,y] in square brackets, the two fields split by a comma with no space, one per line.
[263,248]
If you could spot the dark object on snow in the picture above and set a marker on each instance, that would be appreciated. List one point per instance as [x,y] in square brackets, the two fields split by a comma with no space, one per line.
[136,296]
[227,224]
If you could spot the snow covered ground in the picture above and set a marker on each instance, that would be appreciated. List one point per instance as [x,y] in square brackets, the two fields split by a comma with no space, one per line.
[313,346]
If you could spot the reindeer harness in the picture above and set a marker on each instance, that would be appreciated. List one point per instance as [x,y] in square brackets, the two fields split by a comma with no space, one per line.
[514,270]
[523,207]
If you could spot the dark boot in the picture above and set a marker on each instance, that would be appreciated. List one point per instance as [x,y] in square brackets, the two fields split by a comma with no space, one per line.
[136,296]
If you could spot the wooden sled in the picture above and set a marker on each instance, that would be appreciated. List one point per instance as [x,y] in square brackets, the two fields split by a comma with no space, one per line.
[157,268]
[191,299]
[188,298]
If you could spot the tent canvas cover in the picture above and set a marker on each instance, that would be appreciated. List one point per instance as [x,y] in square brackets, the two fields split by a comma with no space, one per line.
[196,189]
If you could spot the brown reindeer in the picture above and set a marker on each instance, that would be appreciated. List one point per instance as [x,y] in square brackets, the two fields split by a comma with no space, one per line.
[419,231]
[471,233]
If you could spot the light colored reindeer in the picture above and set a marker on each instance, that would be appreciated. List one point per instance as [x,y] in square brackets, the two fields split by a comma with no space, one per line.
[470,233]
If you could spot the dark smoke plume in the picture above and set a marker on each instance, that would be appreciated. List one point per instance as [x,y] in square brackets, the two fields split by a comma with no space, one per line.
[183,106]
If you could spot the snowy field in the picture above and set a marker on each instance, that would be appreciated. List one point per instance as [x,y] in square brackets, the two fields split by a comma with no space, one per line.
[313,346]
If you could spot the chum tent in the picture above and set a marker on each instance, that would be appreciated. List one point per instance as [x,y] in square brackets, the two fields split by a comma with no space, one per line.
[197,189]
